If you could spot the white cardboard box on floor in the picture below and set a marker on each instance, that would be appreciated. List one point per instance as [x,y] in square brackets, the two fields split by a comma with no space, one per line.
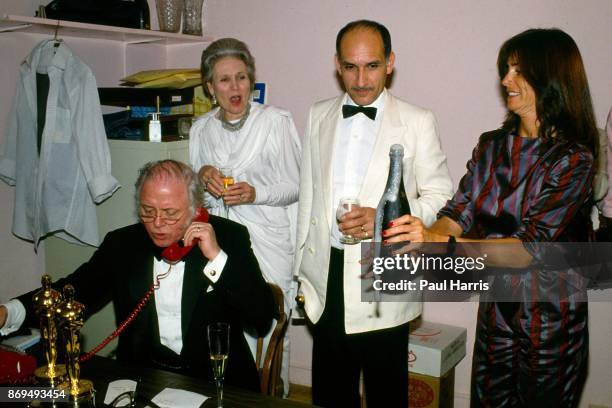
[434,348]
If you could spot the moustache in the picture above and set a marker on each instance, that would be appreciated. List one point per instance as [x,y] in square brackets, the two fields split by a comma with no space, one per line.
[362,88]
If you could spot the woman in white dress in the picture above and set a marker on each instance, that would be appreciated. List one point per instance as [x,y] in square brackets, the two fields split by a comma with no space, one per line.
[261,147]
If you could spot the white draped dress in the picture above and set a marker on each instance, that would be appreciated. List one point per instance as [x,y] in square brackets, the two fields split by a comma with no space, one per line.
[265,153]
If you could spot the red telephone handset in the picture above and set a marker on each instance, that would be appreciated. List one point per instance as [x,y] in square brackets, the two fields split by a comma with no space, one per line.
[15,367]
[172,255]
[178,250]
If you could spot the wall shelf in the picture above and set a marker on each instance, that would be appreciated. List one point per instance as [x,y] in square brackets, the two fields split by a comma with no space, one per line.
[46,26]
[127,96]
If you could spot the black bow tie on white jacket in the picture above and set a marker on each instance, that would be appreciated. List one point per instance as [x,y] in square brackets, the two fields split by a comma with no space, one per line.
[351,110]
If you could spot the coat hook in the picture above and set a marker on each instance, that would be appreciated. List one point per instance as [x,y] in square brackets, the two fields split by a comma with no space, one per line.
[56,30]
[55,39]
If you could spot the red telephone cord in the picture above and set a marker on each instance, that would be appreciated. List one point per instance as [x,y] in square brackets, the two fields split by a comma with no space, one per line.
[141,304]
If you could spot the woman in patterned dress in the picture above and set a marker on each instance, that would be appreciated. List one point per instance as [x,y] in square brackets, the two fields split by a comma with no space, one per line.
[528,182]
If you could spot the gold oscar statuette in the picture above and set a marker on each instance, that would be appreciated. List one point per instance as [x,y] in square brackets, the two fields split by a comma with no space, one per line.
[70,318]
[45,301]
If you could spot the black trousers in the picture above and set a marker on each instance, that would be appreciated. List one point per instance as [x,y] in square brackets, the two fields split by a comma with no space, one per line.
[338,358]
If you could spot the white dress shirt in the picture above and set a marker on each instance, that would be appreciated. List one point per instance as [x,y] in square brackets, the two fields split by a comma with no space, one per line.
[352,153]
[168,297]
[56,191]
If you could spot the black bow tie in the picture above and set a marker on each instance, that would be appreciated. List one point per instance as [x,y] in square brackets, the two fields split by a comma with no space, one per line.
[157,251]
[351,110]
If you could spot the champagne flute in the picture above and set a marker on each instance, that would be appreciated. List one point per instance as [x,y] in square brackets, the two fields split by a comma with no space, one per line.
[218,342]
[228,180]
[345,205]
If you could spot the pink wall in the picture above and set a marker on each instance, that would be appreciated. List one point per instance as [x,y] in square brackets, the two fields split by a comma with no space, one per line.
[446,52]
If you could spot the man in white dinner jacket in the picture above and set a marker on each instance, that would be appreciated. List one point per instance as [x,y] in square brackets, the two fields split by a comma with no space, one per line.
[346,153]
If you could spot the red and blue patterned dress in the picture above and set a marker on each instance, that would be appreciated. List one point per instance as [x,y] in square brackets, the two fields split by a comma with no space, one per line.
[527,353]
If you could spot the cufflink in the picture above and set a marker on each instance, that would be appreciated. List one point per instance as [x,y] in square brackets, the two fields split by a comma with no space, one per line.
[213,272]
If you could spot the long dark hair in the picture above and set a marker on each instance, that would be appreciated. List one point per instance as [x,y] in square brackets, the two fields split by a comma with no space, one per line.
[550,62]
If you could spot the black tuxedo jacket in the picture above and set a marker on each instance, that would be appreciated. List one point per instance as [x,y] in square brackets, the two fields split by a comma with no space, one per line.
[121,271]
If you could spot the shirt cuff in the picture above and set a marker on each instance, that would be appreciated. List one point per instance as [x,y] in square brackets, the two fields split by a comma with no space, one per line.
[16,315]
[213,269]
[103,187]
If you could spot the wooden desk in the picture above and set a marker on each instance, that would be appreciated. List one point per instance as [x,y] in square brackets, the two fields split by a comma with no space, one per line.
[102,370]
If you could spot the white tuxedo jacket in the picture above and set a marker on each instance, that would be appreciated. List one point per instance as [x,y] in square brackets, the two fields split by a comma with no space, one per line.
[426,181]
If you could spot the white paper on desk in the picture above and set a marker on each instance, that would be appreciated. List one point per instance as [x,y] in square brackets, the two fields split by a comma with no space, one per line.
[119,387]
[175,398]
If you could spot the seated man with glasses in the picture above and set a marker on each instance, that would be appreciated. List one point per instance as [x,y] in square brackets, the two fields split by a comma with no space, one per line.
[217,281]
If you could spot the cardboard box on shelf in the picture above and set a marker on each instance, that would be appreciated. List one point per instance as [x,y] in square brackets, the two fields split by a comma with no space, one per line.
[425,391]
[434,348]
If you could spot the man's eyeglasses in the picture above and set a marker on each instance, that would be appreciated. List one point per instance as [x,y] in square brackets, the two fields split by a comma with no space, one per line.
[168,216]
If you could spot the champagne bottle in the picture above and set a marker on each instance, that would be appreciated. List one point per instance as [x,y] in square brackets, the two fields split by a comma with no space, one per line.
[392,205]
[394,202]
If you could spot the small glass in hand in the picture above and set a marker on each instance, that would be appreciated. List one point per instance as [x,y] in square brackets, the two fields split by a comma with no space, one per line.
[228,180]
[344,206]
[218,342]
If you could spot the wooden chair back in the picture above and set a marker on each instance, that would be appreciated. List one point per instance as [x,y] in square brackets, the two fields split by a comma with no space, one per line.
[269,372]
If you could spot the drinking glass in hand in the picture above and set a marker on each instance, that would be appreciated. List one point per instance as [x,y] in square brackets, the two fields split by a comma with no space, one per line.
[346,205]
[228,180]
[218,342]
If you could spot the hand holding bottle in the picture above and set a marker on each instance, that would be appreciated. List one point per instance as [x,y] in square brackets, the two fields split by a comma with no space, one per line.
[405,228]
[411,228]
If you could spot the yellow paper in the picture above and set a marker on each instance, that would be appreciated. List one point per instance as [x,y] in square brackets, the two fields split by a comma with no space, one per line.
[201,103]
[152,75]
[178,81]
